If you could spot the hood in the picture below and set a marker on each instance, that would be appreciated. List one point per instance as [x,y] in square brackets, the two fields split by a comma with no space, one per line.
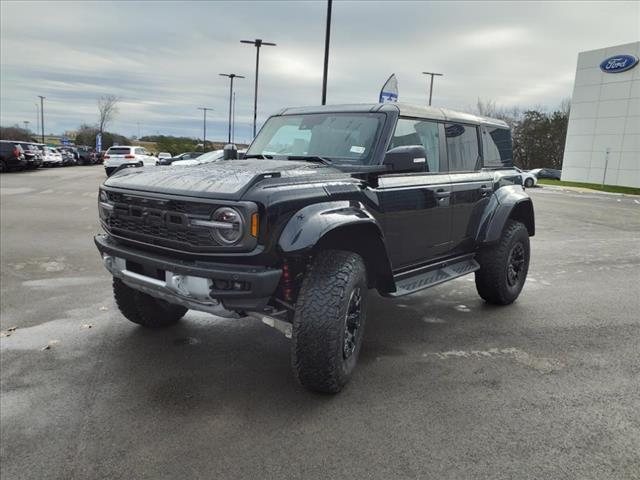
[225,179]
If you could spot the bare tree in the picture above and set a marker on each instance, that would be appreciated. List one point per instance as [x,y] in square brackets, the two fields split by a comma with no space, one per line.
[108,109]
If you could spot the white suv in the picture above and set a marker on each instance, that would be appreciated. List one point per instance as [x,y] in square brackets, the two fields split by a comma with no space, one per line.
[127,155]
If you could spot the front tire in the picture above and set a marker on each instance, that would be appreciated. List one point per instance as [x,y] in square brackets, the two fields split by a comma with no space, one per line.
[504,266]
[528,183]
[329,321]
[144,309]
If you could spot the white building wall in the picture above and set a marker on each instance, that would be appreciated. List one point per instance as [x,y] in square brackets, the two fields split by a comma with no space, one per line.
[605,115]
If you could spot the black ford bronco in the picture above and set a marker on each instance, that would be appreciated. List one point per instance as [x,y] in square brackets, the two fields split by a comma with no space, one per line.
[327,203]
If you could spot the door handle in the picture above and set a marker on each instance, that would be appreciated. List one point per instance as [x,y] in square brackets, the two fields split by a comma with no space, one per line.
[442,193]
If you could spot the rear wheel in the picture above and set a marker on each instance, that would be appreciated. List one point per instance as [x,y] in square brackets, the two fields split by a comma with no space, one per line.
[329,321]
[144,309]
[504,266]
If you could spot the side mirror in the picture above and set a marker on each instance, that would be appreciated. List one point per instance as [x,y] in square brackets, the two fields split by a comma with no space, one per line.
[410,158]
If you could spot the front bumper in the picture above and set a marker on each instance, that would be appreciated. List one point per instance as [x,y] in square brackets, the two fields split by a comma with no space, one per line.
[190,283]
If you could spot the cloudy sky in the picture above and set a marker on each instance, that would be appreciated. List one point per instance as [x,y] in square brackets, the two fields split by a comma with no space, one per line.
[163,58]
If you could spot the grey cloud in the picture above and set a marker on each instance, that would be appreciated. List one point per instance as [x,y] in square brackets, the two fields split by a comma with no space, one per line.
[163,58]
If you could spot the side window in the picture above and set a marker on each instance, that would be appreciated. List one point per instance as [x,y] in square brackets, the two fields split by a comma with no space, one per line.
[462,147]
[496,147]
[140,151]
[419,132]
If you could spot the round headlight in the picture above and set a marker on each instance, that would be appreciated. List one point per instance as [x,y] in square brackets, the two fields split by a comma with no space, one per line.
[104,197]
[232,232]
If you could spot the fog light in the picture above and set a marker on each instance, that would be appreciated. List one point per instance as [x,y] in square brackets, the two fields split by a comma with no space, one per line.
[221,284]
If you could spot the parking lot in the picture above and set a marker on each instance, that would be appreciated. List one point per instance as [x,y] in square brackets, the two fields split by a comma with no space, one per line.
[447,387]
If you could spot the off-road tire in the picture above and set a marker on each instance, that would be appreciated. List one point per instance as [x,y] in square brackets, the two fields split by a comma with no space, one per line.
[492,280]
[528,183]
[320,321]
[143,309]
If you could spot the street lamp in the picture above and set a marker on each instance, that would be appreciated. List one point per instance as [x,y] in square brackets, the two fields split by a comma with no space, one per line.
[231,76]
[26,124]
[204,124]
[42,115]
[431,86]
[257,43]
[327,36]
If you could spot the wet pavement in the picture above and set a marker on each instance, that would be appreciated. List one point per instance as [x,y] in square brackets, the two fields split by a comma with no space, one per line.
[447,387]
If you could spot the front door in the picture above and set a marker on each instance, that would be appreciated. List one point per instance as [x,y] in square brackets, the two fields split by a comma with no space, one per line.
[416,206]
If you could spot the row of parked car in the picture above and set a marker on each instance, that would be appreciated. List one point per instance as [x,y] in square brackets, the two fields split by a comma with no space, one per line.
[124,156]
[20,155]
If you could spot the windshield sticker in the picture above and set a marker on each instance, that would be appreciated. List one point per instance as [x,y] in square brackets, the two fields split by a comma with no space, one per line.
[356,149]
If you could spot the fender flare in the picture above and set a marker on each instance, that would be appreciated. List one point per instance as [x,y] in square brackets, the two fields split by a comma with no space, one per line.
[337,224]
[508,202]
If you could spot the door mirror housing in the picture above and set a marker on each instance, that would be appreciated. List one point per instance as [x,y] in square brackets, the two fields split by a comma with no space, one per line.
[409,158]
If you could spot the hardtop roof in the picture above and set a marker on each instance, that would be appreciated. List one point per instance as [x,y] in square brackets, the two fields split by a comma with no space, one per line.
[405,109]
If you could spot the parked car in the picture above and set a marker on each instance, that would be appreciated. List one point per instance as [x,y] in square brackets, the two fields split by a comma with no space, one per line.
[328,203]
[130,156]
[164,156]
[550,173]
[32,154]
[85,155]
[528,179]
[52,158]
[200,159]
[11,156]
[182,156]
[68,158]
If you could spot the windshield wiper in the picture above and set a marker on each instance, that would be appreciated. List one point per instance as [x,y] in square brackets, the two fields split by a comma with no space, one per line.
[311,158]
[259,155]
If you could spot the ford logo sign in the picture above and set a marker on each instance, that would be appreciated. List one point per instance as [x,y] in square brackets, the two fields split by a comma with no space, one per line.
[619,63]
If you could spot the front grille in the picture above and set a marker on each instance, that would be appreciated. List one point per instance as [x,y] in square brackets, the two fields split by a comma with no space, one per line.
[159,221]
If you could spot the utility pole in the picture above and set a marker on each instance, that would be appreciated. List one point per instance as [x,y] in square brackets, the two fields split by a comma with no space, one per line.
[26,124]
[42,115]
[231,76]
[257,43]
[37,118]
[204,127]
[431,85]
[233,119]
[327,36]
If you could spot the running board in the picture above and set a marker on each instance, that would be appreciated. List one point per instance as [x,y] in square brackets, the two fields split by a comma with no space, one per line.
[438,274]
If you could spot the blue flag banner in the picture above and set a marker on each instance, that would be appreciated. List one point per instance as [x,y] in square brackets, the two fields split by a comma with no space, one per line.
[98,142]
[389,91]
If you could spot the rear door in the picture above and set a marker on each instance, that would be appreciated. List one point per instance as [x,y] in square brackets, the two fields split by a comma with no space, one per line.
[415,207]
[471,187]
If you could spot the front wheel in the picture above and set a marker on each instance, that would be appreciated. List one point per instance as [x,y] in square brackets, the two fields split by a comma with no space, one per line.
[528,182]
[329,321]
[504,266]
[144,309]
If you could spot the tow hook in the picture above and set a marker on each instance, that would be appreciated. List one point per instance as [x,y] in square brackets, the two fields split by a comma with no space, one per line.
[282,326]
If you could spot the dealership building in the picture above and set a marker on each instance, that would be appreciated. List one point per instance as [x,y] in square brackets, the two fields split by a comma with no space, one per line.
[603,136]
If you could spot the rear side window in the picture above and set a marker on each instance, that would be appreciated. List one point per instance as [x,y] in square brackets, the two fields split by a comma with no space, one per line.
[462,147]
[119,151]
[496,147]
[140,151]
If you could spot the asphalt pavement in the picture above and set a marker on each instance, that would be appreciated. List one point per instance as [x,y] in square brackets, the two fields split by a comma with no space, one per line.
[446,388]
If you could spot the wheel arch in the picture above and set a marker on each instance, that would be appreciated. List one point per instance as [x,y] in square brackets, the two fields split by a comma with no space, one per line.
[340,225]
[508,203]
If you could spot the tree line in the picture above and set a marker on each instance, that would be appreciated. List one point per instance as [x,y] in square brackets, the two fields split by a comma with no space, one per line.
[538,135]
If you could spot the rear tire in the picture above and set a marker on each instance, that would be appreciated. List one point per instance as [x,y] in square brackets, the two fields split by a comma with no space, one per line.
[329,321]
[504,266]
[144,309]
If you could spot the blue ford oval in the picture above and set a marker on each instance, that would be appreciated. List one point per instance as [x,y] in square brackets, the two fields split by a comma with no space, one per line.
[618,63]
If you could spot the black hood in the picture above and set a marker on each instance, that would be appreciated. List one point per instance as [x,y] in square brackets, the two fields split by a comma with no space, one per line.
[224,179]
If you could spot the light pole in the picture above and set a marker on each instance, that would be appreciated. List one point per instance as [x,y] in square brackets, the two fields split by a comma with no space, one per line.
[327,36]
[257,43]
[26,124]
[37,117]
[231,76]
[42,115]
[431,85]
[204,125]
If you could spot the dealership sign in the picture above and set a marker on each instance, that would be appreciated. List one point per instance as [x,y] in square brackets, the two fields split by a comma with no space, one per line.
[619,63]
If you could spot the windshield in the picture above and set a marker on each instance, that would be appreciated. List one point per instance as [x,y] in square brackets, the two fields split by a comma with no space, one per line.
[339,137]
